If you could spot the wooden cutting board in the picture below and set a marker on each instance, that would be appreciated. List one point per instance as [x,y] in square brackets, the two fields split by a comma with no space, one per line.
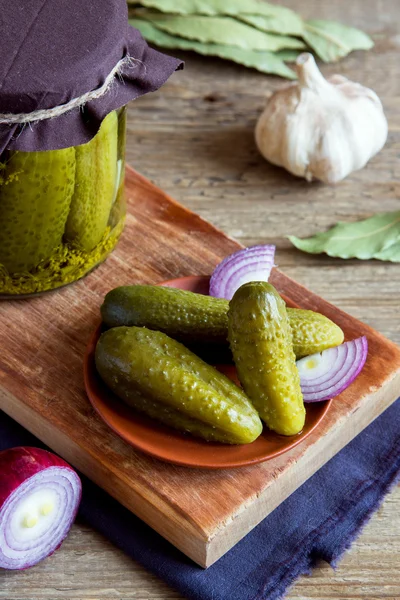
[204,513]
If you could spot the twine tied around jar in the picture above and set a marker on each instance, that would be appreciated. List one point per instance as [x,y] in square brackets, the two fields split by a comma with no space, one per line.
[56,111]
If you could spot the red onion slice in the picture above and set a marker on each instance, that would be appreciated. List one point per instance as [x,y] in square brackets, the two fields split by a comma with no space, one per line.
[326,374]
[39,499]
[250,264]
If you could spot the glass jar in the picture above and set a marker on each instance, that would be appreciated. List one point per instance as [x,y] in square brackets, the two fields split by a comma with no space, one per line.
[61,211]
[66,69]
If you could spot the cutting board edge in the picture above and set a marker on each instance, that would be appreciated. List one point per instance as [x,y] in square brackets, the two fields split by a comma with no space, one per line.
[257,509]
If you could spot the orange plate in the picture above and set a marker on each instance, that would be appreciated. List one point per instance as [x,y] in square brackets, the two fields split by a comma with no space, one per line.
[182,449]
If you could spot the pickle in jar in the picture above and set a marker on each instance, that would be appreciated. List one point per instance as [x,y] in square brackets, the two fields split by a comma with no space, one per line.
[95,188]
[35,197]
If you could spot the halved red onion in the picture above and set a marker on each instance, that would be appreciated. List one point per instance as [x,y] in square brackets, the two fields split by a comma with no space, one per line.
[326,374]
[250,264]
[39,499]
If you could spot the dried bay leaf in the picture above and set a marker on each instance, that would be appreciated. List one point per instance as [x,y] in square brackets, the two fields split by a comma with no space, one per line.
[265,62]
[332,40]
[234,8]
[287,24]
[258,26]
[391,253]
[376,237]
[221,30]
[287,55]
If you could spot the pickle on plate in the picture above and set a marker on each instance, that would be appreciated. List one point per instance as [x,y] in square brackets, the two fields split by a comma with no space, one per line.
[171,417]
[35,196]
[163,379]
[95,188]
[181,314]
[260,337]
[198,318]
[312,332]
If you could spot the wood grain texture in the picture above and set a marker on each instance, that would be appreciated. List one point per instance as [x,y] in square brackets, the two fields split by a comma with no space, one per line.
[209,162]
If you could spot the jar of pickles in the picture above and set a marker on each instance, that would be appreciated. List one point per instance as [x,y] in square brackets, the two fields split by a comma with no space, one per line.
[62,137]
[61,211]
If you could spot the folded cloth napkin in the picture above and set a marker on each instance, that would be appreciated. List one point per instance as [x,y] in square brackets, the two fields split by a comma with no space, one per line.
[320,520]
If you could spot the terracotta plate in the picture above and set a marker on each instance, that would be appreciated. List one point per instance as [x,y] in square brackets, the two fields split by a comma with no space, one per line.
[171,446]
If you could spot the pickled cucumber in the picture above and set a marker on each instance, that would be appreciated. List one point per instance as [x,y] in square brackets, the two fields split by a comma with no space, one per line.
[160,377]
[312,332]
[197,318]
[96,186]
[260,338]
[178,313]
[121,148]
[35,197]
[118,208]
[171,417]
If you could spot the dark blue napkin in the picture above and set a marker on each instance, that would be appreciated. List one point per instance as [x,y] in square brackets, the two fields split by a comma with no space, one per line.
[320,520]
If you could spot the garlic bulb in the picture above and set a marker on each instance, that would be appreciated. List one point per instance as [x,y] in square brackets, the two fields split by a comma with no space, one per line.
[322,129]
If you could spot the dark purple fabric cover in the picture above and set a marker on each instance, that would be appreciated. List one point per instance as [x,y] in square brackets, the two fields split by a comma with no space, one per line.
[52,51]
[318,521]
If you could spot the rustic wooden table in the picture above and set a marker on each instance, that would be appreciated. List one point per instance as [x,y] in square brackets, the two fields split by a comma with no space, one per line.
[194,139]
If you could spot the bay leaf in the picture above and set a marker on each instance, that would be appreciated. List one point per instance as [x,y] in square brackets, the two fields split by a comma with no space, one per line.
[287,55]
[232,8]
[391,253]
[332,40]
[221,30]
[376,237]
[287,24]
[266,62]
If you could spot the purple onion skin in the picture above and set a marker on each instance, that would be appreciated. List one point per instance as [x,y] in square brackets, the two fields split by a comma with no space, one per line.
[219,281]
[18,464]
[348,380]
[21,463]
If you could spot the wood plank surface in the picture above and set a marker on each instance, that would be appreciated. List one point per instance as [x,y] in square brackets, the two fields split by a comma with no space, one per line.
[209,163]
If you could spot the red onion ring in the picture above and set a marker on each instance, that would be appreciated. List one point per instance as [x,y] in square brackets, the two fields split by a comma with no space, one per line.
[250,264]
[326,374]
[39,499]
